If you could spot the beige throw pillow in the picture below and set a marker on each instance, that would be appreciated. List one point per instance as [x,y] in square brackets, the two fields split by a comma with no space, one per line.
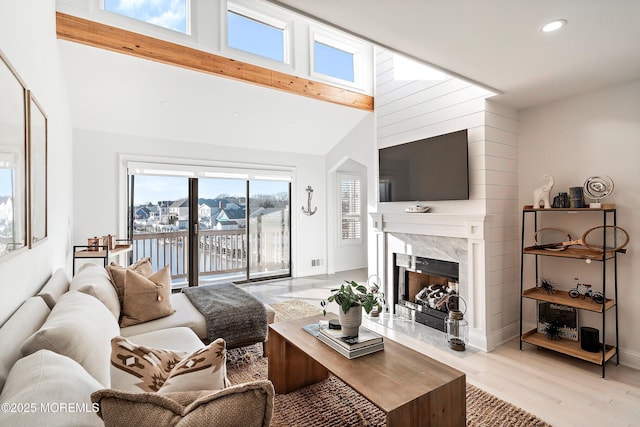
[116,273]
[139,368]
[146,298]
[246,405]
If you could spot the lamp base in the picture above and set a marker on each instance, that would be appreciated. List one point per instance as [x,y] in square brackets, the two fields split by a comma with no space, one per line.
[456,344]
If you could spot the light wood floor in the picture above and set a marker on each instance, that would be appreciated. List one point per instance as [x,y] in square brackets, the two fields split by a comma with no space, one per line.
[561,390]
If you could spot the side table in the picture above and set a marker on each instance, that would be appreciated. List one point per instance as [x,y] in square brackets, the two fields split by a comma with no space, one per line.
[101,251]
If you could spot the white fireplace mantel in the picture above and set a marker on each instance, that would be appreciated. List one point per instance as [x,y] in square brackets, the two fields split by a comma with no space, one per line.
[466,226]
[456,237]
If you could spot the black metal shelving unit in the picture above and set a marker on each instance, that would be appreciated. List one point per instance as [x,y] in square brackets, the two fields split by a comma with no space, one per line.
[607,259]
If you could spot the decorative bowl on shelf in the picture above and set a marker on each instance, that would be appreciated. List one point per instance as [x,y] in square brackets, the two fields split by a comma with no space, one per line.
[417,208]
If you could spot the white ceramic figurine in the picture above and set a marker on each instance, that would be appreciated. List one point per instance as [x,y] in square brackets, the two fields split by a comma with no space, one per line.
[541,194]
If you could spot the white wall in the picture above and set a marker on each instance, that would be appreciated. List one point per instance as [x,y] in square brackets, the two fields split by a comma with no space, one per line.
[355,153]
[593,134]
[28,40]
[98,196]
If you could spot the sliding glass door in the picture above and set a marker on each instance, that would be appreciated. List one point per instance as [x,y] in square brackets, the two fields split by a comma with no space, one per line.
[222,228]
[269,229]
[239,228]
[158,222]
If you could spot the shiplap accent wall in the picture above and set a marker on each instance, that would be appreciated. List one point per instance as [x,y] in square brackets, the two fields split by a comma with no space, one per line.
[411,110]
[502,232]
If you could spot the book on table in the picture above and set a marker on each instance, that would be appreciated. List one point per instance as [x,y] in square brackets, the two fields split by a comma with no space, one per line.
[313,329]
[365,337]
[350,354]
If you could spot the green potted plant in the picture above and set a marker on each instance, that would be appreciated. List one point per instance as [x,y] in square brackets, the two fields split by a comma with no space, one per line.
[353,295]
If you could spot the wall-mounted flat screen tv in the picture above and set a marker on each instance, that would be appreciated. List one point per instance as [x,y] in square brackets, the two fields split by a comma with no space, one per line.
[429,169]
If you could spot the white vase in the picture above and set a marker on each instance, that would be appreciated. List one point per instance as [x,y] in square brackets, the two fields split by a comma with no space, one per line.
[350,321]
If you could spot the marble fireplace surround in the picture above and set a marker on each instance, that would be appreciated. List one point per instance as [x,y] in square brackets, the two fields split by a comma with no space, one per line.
[450,237]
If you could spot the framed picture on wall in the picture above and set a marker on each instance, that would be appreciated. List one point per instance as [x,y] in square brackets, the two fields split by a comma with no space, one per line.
[37,171]
[565,317]
[13,163]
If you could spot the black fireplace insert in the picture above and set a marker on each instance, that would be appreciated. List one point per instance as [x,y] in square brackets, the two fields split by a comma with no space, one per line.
[424,288]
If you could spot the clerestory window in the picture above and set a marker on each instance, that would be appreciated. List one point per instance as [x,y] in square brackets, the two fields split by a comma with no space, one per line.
[333,62]
[171,14]
[336,57]
[257,34]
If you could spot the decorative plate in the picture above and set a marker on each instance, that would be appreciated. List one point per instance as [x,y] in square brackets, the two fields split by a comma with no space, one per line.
[417,209]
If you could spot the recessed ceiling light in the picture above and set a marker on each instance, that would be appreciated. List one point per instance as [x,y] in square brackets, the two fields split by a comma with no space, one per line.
[554,25]
[164,103]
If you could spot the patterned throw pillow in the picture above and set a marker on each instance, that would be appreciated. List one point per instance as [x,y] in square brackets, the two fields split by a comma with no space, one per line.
[116,274]
[204,369]
[135,367]
[146,298]
[139,368]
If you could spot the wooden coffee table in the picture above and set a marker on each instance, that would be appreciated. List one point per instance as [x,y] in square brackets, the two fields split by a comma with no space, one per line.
[411,388]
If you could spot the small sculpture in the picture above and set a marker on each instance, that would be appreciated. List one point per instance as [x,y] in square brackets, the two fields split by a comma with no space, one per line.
[547,286]
[552,330]
[541,194]
[598,187]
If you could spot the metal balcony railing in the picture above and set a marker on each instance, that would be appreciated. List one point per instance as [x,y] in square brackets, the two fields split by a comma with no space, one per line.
[221,252]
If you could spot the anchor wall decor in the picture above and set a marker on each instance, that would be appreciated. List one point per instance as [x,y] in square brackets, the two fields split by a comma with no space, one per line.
[308,211]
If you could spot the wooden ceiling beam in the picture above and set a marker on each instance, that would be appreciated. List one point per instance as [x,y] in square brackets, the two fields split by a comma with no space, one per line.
[102,36]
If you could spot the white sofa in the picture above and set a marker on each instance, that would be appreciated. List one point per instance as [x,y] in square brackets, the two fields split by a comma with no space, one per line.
[56,350]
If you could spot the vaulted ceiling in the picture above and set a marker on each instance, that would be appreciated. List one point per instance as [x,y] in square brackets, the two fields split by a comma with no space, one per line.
[498,42]
[493,42]
[121,94]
